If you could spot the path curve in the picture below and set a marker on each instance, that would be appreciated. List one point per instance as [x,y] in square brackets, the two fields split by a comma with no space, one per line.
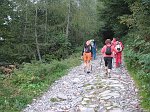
[81,92]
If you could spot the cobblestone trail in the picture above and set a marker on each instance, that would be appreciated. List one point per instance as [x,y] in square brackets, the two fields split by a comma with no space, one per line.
[93,92]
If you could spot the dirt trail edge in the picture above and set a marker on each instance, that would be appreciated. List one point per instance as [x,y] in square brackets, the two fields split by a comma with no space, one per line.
[93,92]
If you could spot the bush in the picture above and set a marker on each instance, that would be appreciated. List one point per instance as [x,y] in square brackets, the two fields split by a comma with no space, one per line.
[138,63]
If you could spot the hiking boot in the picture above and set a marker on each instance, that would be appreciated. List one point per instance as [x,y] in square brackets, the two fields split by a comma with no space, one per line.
[106,71]
[106,74]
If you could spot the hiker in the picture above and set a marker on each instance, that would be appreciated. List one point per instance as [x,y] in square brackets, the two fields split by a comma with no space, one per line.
[87,55]
[113,42]
[94,49]
[107,52]
[118,56]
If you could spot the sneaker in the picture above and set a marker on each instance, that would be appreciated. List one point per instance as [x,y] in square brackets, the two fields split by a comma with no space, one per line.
[88,71]
[106,74]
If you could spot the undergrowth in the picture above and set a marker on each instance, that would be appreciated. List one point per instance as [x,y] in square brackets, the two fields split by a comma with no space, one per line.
[30,81]
[141,78]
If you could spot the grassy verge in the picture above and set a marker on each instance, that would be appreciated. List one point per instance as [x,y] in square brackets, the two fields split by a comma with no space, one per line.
[31,81]
[142,81]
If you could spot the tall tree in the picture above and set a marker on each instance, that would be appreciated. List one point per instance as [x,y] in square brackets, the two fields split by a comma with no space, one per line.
[36,37]
[68,18]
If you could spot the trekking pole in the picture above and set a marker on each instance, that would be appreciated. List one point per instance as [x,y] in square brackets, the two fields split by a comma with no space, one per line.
[101,60]
[113,62]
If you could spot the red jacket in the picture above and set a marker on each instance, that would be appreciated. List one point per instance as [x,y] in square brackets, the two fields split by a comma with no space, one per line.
[103,50]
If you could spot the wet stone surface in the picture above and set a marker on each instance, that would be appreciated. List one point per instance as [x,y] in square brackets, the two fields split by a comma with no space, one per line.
[93,92]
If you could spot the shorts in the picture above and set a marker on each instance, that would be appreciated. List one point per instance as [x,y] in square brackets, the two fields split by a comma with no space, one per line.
[87,56]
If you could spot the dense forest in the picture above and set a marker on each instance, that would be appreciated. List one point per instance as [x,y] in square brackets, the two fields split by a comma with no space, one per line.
[36,35]
[32,30]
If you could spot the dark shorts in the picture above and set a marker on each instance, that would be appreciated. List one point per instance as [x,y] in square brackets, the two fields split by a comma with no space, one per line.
[108,62]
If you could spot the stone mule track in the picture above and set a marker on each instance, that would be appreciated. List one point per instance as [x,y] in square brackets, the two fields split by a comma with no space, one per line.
[93,92]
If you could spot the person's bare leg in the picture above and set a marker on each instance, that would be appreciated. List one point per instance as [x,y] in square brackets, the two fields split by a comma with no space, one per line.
[88,66]
[85,66]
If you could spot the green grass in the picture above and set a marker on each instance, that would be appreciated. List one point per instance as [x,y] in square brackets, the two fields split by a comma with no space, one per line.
[142,84]
[31,81]
[54,100]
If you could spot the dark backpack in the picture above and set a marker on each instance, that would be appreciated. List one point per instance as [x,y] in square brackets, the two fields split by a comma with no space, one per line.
[87,49]
[108,50]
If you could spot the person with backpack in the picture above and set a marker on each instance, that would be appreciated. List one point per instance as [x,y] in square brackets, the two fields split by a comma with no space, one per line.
[118,55]
[113,42]
[87,55]
[107,52]
[94,48]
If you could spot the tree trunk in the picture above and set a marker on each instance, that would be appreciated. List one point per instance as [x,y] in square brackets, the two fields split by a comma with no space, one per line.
[68,19]
[36,38]
[26,19]
[46,39]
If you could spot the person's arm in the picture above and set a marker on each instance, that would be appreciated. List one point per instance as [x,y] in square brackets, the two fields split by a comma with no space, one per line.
[122,46]
[82,51]
[114,50]
[95,46]
[112,42]
[91,51]
[103,50]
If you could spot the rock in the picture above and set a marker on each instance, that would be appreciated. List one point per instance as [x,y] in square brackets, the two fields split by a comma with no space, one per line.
[105,92]
[62,96]
[90,87]
[105,97]
[117,85]
[116,110]
[89,96]
[76,80]
[115,95]
[93,106]
[85,101]
[85,109]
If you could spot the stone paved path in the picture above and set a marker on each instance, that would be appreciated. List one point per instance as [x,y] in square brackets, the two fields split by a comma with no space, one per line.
[81,92]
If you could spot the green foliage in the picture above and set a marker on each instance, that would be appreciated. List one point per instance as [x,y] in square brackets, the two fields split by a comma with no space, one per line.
[61,46]
[137,49]
[30,81]
[138,62]
[131,18]
[50,24]
[109,11]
